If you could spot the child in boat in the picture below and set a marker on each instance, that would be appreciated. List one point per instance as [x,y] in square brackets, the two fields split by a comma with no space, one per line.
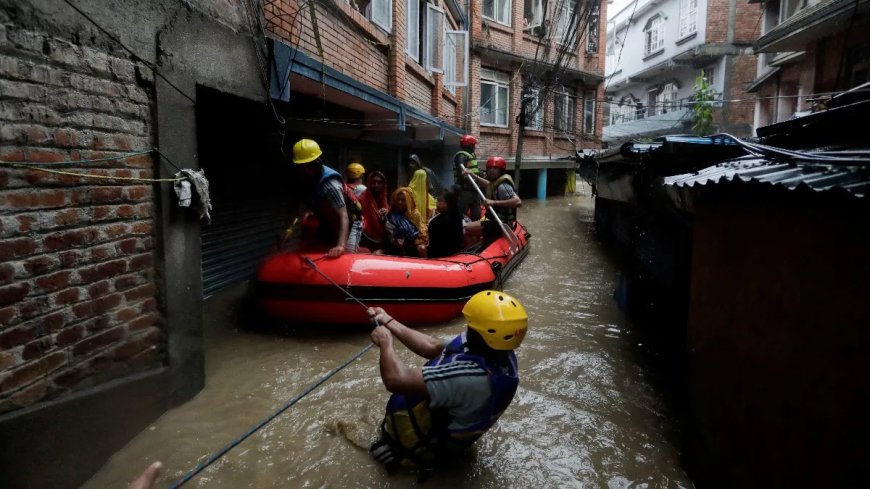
[407,231]
[446,228]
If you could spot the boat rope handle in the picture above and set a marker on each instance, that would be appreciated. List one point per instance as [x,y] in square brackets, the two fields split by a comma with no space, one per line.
[223,451]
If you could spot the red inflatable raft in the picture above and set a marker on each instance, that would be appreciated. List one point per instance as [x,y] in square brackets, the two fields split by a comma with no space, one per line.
[415,291]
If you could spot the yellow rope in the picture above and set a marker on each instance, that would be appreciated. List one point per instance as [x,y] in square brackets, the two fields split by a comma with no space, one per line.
[102,177]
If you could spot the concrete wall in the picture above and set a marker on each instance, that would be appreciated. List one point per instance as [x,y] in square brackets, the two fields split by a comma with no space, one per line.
[778,343]
[101,278]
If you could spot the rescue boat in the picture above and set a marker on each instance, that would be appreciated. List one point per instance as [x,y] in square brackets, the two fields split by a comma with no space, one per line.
[415,291]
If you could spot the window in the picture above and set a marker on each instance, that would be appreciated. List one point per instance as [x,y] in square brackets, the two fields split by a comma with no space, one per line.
[589,113]
[666,99]
[378,11]
[653,35]
[494,88]
[413,29]
[627,110]
[688,17]
[533,15]
[498,10]
[563,111]
[788,8]
[455,59]
[434,33]
[564,16]
[382,14]
[534,109]
[592,32]
[708,74]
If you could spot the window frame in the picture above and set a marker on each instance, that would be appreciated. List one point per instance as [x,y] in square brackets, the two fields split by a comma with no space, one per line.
[387,24]
[561,108]
[688,17]
[415,38]
[537,118]
[654,29]
[507,11]
[499,81]
[563,12]
[451,82]
[433,48]
[589,99]
[594,23]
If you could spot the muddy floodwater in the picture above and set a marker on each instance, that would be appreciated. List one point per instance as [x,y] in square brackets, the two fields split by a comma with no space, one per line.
[587,413]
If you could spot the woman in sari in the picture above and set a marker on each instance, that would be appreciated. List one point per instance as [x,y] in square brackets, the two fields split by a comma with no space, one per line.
[407,231]
[419,186]
[375,205]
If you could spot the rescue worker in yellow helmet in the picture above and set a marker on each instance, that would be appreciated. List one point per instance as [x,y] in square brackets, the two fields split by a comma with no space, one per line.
[445,406]
[337,210]
[354,173]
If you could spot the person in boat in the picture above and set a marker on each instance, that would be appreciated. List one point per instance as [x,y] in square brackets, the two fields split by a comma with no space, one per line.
[354,173]
[500,195]
[439,410]
[446,229]
[336,208]
[469,200]
[375,202]
[407,231]
[421,188]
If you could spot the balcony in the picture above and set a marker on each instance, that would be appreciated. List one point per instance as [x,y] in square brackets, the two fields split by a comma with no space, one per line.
[811,23]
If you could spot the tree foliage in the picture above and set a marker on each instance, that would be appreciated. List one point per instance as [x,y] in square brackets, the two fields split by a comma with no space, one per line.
[702,107]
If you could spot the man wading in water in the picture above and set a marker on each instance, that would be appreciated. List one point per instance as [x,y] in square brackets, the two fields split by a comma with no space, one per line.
[442,408]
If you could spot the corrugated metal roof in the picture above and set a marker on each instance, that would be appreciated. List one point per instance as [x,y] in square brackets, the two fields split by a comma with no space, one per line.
[853,179]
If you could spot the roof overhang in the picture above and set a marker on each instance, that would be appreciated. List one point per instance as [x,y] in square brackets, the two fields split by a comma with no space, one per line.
[704,54]
[755,85]
[490,53]
[810,24]
[311,77]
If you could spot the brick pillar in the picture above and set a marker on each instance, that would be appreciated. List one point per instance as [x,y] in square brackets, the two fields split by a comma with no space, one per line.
[396,67]
[475,34]
[516,90]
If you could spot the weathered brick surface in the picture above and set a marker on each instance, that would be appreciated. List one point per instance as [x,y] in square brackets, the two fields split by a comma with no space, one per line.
[76,254]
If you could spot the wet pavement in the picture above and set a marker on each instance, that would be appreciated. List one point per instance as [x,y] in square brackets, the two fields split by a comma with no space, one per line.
[587,413]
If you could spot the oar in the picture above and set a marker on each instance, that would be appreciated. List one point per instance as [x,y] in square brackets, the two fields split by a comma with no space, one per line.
[511,237]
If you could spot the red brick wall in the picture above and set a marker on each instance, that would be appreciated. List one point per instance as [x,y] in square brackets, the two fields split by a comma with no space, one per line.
[717,21]
[354,46]
[419,91]
[448,109]
[748,26]
[741,71]
[78,304]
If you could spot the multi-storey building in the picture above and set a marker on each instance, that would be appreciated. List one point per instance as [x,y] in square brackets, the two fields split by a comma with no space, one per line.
[808,50]
[657,49]
[377,80]
[543,59]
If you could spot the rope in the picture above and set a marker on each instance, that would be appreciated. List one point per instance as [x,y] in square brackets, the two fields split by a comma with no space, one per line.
[223,451]
[91,175]
[79,162]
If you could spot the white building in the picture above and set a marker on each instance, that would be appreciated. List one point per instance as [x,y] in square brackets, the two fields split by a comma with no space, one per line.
[656,49]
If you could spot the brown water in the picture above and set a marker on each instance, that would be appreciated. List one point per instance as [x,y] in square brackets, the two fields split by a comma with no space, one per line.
[585,414]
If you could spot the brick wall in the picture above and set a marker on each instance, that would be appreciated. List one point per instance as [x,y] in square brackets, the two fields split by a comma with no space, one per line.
[418,90]
[78,305]
[741,71]
[350,42]
[717,21]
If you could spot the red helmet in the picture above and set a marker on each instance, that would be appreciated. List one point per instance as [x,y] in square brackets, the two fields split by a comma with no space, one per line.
[467,140]
[496,162]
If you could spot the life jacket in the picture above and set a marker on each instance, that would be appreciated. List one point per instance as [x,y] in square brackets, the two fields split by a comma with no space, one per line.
[417,432]
[351,203]
[470,163]
[506,214]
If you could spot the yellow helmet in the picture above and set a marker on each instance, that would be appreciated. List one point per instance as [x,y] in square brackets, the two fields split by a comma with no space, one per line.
[499,318]
[306,151]
[355,170]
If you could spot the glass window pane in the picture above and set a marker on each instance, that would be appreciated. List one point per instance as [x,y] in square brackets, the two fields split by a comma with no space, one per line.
[502,105]
[487,102]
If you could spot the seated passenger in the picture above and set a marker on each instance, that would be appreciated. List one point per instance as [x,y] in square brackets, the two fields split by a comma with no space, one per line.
[446,228]
[408,235]
[375,201]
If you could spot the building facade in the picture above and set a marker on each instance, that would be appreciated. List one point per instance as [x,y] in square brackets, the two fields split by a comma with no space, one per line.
[808,51]
[656,52]
[544,60]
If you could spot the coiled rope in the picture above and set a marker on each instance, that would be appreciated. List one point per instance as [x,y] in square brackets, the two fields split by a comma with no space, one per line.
[223,451]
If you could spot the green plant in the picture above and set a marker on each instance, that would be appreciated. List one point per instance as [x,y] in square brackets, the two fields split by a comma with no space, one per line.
[702,107]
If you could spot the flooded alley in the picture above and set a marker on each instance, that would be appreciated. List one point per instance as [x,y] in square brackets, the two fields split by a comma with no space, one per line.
[586,413]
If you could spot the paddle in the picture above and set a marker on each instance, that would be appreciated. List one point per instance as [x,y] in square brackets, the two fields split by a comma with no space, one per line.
[511,237]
